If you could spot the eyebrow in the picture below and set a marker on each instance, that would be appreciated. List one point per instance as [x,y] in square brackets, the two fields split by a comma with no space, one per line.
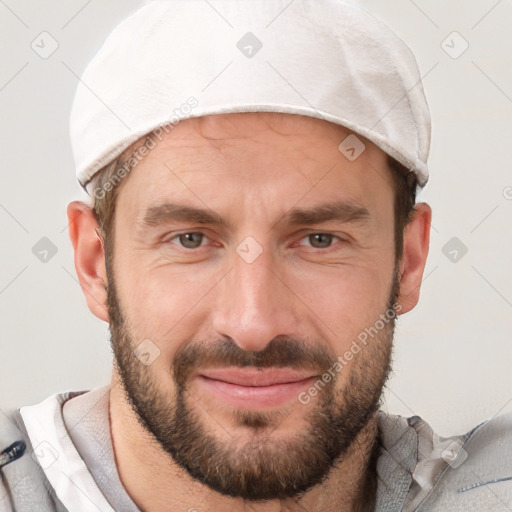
[341,211]
[169,212]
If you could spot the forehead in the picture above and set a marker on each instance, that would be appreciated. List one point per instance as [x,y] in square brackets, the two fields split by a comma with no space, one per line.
[283,157]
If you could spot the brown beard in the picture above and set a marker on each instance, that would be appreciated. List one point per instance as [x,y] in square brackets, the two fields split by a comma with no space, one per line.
[260,468]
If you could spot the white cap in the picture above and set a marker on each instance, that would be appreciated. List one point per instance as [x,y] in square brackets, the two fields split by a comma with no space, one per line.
[178,59]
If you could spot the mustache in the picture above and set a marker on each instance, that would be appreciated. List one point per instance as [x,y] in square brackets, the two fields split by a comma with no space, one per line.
[280,351]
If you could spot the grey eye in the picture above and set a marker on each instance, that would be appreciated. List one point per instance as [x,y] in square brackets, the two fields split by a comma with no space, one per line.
[320,240]
[191,240]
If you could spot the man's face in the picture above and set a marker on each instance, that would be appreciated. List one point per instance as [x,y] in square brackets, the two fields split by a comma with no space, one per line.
[261,287]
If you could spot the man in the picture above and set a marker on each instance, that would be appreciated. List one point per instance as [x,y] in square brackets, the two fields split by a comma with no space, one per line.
[251,239]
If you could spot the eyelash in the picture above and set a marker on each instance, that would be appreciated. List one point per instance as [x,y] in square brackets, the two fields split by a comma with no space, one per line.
[177,236]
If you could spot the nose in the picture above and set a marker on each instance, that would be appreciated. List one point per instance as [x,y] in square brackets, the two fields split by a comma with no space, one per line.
[253,304]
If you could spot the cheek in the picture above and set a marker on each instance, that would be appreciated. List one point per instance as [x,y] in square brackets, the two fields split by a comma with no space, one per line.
[345,301]
[160,302]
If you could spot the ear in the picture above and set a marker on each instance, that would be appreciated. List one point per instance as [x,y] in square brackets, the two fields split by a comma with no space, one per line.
[412,264]
[89,257]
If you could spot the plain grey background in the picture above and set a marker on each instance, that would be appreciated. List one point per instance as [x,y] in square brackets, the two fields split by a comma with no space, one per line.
[453,353]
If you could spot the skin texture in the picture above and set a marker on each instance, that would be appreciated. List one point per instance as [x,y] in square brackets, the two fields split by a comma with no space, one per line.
[251,169]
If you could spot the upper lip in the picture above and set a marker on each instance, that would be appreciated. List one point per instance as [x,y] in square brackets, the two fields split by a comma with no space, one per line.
[256,377]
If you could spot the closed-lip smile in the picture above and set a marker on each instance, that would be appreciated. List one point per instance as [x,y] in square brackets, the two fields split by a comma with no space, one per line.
[253,388]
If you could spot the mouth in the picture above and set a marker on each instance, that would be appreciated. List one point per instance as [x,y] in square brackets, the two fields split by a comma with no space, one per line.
[252,388]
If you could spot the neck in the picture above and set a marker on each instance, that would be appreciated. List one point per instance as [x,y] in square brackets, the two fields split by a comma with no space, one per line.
[156,483]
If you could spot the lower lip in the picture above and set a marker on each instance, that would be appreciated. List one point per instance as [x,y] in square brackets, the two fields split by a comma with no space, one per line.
[254,397]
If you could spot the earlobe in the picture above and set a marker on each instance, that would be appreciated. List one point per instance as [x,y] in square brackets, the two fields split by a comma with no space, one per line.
[412,265]
[89,257]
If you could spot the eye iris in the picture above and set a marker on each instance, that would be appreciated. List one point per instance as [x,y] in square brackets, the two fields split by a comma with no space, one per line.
[186,239]
[323,239]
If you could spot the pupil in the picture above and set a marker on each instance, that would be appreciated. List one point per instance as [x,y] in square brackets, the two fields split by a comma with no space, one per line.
[318,237]
[188,242]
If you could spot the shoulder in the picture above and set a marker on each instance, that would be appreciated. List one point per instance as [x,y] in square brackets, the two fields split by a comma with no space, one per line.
[492,440]
[23,483]
[421,471]
[23,486]
[479,476]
